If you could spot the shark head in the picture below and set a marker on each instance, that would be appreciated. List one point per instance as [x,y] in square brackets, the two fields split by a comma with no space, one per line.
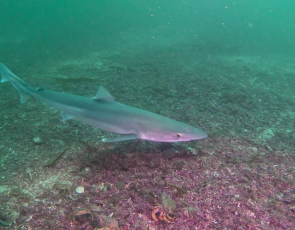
[173,131]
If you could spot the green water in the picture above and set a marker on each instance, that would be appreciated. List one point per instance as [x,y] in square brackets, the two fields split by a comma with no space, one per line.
[73,27]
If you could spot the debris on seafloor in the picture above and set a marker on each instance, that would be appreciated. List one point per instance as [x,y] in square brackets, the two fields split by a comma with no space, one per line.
[81,212]
[53,162]
[179,189]
[29,171]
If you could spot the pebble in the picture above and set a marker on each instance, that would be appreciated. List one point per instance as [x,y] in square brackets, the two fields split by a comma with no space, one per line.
[80,189]
[38,140]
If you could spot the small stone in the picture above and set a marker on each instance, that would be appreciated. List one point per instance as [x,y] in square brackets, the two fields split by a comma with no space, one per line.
[254,149]
[80,189]
[103,187]
[86,172]
[38,140]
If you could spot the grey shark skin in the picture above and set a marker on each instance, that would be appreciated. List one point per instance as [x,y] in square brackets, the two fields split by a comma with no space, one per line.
[103,112]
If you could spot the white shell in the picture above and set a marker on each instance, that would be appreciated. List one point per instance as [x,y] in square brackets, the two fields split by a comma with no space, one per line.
[80,189]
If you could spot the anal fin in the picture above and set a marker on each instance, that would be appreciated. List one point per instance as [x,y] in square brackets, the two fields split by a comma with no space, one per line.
[65,116]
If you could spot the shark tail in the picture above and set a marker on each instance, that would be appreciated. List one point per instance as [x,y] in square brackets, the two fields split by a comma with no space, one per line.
[4,71]
[22,87]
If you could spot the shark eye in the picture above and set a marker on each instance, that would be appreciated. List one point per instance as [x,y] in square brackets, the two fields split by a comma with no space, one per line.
[179,135]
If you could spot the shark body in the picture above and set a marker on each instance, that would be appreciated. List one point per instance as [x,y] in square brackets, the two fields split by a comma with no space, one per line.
[103,112]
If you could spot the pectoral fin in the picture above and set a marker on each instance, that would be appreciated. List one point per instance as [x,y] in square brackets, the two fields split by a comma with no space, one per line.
[124,137]
[65,116]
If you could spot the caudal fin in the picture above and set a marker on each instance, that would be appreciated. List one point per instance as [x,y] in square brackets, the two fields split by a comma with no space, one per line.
[21,86]
[3,71]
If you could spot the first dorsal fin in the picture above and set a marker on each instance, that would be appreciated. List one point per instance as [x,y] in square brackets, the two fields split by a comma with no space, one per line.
[103,95]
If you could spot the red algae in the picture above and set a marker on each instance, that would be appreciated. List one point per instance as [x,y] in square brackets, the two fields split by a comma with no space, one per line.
[220,189]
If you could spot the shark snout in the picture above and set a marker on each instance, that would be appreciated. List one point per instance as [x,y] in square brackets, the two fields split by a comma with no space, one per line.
[196,134]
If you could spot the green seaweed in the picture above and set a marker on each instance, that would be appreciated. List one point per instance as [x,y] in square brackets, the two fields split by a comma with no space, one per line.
[179,190]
